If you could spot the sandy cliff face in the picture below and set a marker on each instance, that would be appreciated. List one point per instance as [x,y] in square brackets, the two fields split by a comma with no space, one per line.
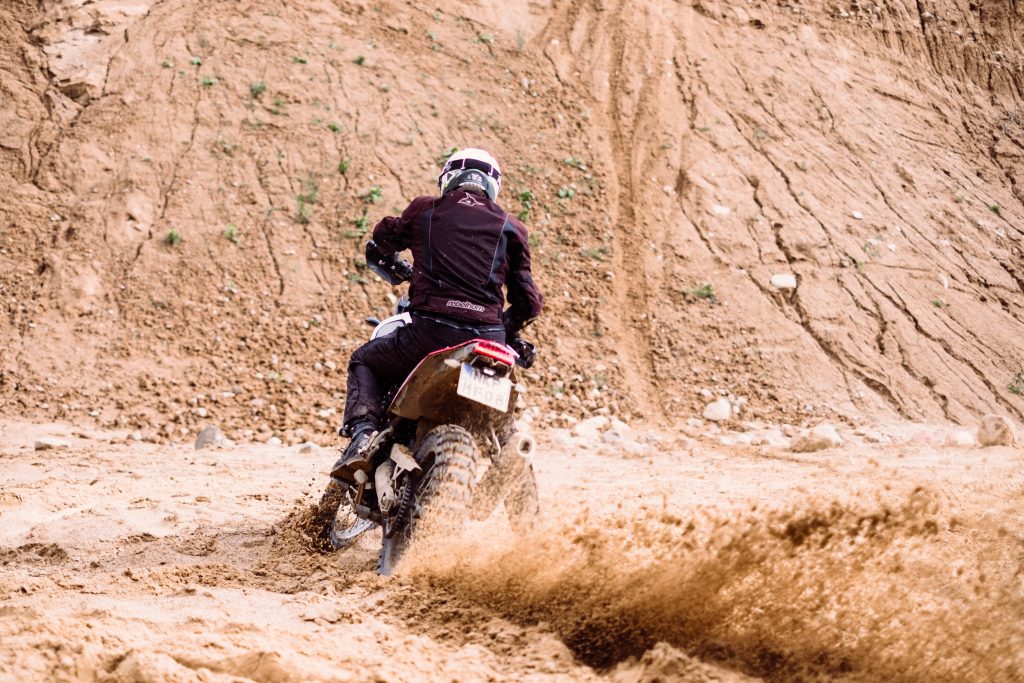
[187,186]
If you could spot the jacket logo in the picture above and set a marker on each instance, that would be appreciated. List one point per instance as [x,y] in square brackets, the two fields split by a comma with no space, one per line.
[452,303]
[470,200]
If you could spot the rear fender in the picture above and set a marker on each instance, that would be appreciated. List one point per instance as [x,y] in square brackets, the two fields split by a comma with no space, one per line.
[429,393]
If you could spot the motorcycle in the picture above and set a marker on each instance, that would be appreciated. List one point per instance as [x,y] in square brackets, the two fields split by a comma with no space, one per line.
[452,417]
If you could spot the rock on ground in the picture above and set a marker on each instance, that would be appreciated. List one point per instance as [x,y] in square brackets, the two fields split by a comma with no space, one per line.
[996,430]
[208,438]
[817,439]
[50,443]
[718,411]
[960,438]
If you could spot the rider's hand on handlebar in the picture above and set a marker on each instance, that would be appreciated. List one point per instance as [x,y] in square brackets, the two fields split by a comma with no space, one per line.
[527,352]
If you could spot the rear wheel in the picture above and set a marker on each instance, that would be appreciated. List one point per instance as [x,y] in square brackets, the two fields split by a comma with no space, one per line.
[442,492]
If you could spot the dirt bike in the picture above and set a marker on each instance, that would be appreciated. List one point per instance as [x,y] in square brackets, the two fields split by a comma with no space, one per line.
[451,418]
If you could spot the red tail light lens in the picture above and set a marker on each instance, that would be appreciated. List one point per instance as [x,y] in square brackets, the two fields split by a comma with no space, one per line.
[498,352]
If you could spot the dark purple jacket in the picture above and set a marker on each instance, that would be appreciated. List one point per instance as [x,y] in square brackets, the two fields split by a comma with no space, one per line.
[464,248]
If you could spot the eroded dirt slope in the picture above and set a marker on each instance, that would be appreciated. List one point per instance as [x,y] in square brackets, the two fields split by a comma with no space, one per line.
[186,187]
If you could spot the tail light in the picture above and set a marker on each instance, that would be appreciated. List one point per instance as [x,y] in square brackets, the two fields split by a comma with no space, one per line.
[495,351]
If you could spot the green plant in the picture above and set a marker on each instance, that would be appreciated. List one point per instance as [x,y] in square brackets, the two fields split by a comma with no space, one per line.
[1016,385]
[995,208]
[443,157]
[197,61]
[575,163]
[258,88]
[357,278]
[566,192]
[173,237]
[485,38]
[299,60]
[167,64]
[525,198]
[344,165]
[231,233]
[939,303]
[208,81]
[703,291]
[334,127]
[303,214]
[360,60]
[373,195]
[595,253]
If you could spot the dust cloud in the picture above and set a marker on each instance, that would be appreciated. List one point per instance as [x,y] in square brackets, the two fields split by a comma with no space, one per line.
[890,587]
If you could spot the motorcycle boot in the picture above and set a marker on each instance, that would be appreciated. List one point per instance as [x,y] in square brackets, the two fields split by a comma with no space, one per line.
[356,455]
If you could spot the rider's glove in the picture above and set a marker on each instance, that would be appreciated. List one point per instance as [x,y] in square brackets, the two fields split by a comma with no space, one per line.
[527,352]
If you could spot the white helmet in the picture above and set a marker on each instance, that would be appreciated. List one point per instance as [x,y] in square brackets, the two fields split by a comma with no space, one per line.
[471,167]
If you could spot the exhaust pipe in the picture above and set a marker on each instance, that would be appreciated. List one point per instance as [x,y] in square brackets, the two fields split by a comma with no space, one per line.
[520,444]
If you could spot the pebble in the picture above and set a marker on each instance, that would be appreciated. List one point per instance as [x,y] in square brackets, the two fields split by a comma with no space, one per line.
[136,435]
[819,438]
[273,441]
[718,411]
[591,428]
[784,281]
[51,443]
[960,438]
[308,448]
[209,437]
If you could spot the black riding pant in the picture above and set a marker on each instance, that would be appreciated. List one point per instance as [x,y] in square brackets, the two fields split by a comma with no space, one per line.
[385,362]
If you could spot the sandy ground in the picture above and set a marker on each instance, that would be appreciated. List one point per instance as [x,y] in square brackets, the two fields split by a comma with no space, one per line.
[141,562]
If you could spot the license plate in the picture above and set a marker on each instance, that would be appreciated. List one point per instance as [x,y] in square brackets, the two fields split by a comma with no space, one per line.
[491,391]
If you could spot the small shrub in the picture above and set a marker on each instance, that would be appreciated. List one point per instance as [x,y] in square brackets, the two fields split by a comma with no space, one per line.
[704,291]
[344,165]
[939,303]
[258,88]
[1016,385]
[360,60]
[995,208]
[485,38]
[173,237]
[525,198]
[197,61]
[303,212]
[167,64]
[334,127]
[231,233]
[373,195]
[299,60]
[596,253]
[208,81]
[443,157]
[575,163]
[566,192]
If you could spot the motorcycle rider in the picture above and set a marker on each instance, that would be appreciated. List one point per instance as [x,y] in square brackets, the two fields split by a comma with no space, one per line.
[465,248]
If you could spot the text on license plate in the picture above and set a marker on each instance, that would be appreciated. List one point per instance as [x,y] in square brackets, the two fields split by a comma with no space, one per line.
[491,391]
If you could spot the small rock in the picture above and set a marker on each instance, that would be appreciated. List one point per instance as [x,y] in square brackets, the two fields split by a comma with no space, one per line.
[872,436]
[136,435]
[51,443]
[561,437]
[960,438]
[591,428]
[857,215]
[817,439]
[273,441]
[995,430]
[208,438]
[308,448]
[719,410]
[784,281]
[694,422]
